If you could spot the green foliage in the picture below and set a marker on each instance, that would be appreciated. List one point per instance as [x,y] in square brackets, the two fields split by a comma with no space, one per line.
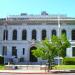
[64,67]
[61,43]
[1,60]
[2,67]
[49,48]
[69,61]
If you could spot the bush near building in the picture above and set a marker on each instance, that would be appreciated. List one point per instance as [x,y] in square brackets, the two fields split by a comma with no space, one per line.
[1,60]
[69,61]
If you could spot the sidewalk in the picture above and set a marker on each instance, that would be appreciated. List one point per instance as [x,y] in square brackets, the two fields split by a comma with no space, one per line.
[24,71]
[36,71]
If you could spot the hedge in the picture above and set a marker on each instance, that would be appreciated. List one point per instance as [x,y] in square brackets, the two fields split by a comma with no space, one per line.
[69,61]
[1,60]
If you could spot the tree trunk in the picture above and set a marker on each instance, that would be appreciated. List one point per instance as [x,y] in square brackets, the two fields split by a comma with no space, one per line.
[49,64]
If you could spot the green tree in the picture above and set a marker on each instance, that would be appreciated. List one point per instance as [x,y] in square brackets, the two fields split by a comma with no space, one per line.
[50,48]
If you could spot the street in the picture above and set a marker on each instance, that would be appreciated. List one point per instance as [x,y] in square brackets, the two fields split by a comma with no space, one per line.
[38,74]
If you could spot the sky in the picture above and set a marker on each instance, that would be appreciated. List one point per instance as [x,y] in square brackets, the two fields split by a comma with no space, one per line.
[15,7]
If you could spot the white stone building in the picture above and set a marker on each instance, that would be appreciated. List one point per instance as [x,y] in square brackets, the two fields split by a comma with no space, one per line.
[19,33]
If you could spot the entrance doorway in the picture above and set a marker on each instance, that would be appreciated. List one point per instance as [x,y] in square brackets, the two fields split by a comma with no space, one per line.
[32,57]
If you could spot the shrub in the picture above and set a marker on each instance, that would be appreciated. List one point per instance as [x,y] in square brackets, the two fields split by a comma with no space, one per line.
[69,61]
[1,60]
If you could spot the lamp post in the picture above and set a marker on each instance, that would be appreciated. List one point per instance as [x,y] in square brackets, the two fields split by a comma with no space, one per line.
[58,36]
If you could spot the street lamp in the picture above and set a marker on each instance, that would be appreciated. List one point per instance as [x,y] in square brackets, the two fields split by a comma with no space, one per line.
[58,36]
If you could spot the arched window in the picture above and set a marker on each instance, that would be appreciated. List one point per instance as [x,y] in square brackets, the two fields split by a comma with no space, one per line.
[14,35]
[43,34]
[53,32]
[64,31]
[5,35]
[34,34]
[24,35]
[73,34]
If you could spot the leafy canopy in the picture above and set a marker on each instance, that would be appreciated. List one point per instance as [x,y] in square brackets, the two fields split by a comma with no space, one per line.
[49,48]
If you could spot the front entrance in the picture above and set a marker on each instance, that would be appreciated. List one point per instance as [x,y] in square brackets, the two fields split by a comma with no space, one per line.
[32,57]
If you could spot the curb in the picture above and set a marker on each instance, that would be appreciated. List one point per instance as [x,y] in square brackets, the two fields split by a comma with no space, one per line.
[26,72]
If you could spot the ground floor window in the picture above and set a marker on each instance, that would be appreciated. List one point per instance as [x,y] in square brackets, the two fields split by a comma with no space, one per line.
[63,53]
[14,51]
[23,51]
[73,51]
[4,52]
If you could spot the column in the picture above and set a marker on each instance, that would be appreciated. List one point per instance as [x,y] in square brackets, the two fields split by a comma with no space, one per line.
[69,52]
[39,35]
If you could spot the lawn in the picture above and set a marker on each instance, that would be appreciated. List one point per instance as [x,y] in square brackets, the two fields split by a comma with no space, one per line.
[1,67]
[64,67]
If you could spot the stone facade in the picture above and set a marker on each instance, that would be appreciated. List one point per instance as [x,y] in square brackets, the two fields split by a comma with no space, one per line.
[29,23]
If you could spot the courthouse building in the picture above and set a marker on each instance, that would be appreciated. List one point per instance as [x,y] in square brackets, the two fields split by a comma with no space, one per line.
[19,33]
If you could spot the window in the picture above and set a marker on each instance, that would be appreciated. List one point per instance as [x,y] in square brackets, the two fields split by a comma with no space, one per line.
[14,51]
[43,34]
[24,35]
[14,35]
[63,53]
[23,51]
[73,34]
[34,34]
[5,35]
[73,51]
[4,50]
[64,31]
[53,32]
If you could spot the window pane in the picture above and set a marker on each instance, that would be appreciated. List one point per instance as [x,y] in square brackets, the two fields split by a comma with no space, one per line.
[14,51]
[5,35]
[63,53]
[4,50]
[15,35]
[63,31]
[73,34]
[43,34]
[53,32]
[73,51]
[24,35]
[23,51]
[34,34]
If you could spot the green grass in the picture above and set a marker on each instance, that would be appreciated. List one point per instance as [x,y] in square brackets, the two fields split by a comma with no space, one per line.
[1,67]
[64,67]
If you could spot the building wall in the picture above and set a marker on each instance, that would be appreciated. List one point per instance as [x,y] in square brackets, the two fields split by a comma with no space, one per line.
[20,44]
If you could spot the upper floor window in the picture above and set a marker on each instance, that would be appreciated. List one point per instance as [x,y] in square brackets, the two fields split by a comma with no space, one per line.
[34,34]
[53,32]
[43,34]
[24,35]
[14,37]
[73,34]
[64,31]
[5,35]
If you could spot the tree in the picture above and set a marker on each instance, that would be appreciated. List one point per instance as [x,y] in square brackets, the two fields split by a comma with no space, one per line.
[50,48]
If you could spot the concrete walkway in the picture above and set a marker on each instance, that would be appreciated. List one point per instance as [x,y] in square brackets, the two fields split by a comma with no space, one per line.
[33,69]
[24,71]
[36,71]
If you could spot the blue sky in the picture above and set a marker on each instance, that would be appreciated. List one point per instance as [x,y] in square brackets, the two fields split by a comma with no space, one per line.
[15,7]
